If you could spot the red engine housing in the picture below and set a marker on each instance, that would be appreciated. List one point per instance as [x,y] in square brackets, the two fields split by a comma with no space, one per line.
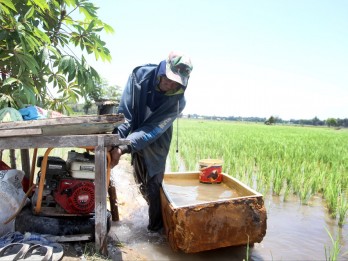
[75,196]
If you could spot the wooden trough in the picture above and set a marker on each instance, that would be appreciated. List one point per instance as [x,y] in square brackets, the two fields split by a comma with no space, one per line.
[199,217]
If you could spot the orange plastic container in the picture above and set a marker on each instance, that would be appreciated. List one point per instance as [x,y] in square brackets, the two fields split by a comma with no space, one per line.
[210,171]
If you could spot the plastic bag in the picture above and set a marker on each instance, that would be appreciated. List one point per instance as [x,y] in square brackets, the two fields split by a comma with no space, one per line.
[11,197]
[30,113]
[10,114]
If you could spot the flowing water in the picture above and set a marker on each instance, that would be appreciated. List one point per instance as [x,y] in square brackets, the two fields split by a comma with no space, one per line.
[294,231]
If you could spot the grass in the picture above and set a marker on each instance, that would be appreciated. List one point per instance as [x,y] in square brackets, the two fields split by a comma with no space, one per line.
[92,254]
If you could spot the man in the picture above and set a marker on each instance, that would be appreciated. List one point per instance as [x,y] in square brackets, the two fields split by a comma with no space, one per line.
[153,98]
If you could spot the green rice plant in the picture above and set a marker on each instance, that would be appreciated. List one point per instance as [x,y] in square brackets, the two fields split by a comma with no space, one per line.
[247,251]
[174,165]
[305,192]
[277,180]
[331,195]
[287,192]
[173,159]
[342,209]
[332,254]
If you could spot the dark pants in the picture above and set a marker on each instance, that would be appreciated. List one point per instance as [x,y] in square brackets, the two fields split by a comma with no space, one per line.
[150,189]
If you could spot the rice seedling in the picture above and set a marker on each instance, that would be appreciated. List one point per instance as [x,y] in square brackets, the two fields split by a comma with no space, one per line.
[277,180]
[332,254]
[342,209]
[247,251]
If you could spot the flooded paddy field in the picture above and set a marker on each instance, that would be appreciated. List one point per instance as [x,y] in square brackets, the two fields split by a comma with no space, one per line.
[294,231]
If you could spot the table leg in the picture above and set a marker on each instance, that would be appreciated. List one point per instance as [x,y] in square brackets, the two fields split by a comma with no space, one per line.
[25,159]
[100,197]
[32,171]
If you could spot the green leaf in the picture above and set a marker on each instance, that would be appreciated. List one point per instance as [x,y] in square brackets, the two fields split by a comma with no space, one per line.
[43,54]
[9,4]
[10,80]
[64,62]
[42,4]
[70,2]
[4,9]
[29,13]
[3,35]
[61,80]
[29,94]
[54,51]
[91,26]
[41,35]
[50,79]
[28,61]
[108,28]
[84,11]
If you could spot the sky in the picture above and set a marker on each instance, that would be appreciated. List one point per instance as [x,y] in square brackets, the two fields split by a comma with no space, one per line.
[255,58]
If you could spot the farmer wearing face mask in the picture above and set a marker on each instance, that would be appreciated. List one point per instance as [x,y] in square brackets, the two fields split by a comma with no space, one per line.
[152,99]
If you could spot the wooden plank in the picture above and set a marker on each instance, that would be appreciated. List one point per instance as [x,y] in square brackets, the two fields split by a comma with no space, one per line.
[76,129]
[59,141]
[20,132]
[110,118]
[100,197]
[81,125]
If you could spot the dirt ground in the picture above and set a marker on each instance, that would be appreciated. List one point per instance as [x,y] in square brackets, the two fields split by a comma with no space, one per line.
[86,251]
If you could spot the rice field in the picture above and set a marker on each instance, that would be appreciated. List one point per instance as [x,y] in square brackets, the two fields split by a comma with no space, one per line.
[278,159]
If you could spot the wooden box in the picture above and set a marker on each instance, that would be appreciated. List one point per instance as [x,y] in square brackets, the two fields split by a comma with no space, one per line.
[199,217]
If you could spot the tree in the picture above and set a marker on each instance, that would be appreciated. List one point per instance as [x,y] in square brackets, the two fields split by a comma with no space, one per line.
[315,121]
[272,120]
[331,122]
[37,39]
[108,92]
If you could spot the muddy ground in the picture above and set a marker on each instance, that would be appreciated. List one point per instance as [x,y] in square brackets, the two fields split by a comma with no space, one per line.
[85,251]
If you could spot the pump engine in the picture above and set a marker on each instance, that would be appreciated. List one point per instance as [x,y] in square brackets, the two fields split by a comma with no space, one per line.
[67,189]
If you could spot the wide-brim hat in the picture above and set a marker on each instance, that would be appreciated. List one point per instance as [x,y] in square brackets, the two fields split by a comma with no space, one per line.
[178,67]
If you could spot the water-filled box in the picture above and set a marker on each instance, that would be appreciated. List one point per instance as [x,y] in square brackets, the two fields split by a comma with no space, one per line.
[199,217]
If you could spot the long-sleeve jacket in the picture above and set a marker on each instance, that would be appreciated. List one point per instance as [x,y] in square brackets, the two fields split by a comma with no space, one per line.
[149,116]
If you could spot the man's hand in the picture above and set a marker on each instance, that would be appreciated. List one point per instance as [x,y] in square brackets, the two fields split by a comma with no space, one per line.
[115,156]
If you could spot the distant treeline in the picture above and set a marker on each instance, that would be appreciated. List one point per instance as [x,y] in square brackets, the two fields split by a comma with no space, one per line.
[331,122]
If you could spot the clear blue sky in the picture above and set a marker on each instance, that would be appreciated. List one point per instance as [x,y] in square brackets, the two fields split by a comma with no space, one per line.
[251,58]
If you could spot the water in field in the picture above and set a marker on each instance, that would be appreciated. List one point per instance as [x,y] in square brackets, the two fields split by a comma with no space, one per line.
[294,231]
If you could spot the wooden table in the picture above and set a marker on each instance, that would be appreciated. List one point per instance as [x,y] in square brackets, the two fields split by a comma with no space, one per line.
[52,133]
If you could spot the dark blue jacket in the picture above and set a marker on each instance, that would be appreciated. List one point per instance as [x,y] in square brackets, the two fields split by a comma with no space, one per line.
[149,116]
